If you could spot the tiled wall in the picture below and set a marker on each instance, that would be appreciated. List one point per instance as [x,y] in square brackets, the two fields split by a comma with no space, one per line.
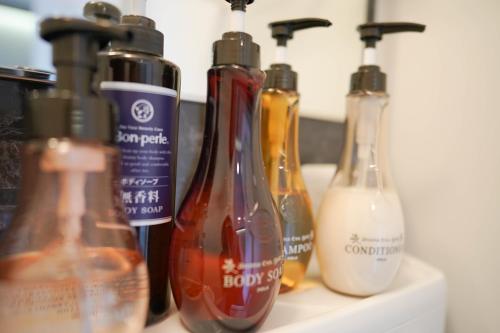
[320,142]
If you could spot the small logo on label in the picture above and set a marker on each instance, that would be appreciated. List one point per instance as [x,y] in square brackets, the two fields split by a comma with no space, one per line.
[143,111]
[229,267]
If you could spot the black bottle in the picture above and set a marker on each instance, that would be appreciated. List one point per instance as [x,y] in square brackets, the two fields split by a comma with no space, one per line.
[146,88]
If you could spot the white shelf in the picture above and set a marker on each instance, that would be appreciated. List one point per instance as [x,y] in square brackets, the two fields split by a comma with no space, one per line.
[415,303]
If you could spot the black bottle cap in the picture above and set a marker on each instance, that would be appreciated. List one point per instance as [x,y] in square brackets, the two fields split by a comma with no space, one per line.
[235,47]
[281,76]
[370,77]
[146,38]
[73,109]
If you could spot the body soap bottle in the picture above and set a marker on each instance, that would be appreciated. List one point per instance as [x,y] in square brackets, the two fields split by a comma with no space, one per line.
[280,126]
[146,88]
[360,227]
[70,261]
[227,251]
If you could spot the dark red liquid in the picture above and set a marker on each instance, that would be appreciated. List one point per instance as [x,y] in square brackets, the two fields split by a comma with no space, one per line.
[226,254]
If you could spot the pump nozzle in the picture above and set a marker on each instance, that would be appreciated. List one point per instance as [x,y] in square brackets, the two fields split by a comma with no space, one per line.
[281,76]
[371,33]
[283,31]
[75,45]
[74,109]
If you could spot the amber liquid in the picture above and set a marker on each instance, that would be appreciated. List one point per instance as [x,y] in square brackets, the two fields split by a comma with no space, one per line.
[226,254]
[43,292]
[154,240]
[280,121]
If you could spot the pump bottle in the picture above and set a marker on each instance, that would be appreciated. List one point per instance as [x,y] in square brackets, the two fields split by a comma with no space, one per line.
[227,250]
[280,126]
[360,227]
[146,88]
[70,261]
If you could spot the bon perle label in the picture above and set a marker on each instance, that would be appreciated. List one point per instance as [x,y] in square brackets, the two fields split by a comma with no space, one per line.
[145,137]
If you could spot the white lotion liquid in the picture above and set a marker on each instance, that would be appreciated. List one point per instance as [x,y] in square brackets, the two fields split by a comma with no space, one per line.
[359,239]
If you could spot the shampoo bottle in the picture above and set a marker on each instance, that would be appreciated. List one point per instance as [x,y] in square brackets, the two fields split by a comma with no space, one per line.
[360,227]
[280,127]
[70,262]
[146,89]
[227,249]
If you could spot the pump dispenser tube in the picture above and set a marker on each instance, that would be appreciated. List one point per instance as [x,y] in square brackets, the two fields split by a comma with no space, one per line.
[360,227]
[70,261]
[226,255]
[280,131]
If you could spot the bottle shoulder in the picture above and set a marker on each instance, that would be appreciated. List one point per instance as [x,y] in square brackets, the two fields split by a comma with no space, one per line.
[127,66]
[132,57]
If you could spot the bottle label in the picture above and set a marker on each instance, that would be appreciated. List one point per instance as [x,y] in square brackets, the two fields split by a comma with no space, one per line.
[145,136]
[261,275]
[380,248]
[298,246]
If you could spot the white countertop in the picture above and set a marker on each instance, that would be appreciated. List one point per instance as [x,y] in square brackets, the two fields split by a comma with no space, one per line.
[414,303]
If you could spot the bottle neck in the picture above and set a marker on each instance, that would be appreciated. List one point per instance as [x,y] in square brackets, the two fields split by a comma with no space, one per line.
[364,162]
[232,128]
[75,79]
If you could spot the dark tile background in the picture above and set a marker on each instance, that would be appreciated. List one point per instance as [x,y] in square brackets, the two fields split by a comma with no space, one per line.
[320,142]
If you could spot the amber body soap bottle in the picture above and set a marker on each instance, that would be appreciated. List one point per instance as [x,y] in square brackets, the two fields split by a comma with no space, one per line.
[226,255]
[280,134]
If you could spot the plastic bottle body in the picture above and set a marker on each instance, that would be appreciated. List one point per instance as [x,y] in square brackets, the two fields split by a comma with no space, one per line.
[280,125]
[70,262]
[360,227]
[146,73]
[226,254]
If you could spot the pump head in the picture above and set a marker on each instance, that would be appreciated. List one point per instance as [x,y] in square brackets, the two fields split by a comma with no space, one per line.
[283,31]
[369,77]
[371,33]
[75,45]
[146,38]
[73,109]
[280,75]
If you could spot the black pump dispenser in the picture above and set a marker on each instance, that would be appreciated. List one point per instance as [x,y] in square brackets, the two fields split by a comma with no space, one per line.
[73,109]
[280,75]
[369,77]
[146,38]
[283,31]
[237,47]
